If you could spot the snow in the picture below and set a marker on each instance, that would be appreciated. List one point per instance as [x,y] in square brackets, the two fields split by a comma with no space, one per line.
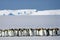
[30,12]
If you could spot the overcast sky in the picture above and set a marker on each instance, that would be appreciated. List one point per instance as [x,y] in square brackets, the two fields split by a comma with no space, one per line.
[30,4]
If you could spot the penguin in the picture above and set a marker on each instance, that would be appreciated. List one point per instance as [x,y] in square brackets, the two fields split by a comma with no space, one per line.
[10,32]
[0,33]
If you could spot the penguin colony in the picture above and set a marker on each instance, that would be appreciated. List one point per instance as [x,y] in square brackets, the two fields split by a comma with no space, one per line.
[29,32]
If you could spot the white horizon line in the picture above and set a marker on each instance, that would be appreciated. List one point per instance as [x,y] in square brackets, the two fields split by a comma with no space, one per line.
[30,12]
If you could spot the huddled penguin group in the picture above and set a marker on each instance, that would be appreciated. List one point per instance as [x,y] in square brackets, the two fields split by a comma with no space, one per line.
[30,32]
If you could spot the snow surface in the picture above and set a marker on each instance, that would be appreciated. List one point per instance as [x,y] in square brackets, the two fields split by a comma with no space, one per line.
[31,38]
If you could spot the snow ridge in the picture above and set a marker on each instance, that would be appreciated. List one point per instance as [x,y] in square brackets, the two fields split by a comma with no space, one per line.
[29,12]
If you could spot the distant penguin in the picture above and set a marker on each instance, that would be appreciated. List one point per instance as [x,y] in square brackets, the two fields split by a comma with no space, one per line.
[16,32]
[41,32]
[0,32]
[50,32]
[31,32]
[20,32]
[11,32]
[6,33]
[45,32]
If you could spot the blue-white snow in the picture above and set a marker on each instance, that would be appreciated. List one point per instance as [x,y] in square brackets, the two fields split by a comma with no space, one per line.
[29,12]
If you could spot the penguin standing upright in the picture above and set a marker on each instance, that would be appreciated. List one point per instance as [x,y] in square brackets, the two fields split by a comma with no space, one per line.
[24,32]
[58,32]
[45,32]
[3,34]
[11,32]
[0,32]
[41,33]
[16,32]
[6,33]
[51,32]
[31,32]
[20,32]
